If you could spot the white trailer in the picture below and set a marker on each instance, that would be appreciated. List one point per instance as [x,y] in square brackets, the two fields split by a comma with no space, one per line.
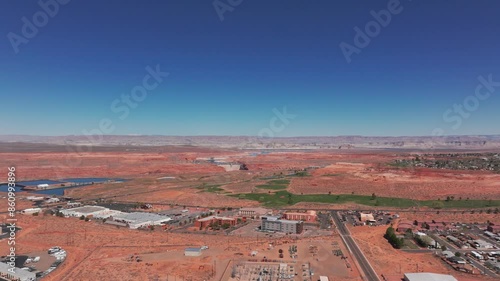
[477,255]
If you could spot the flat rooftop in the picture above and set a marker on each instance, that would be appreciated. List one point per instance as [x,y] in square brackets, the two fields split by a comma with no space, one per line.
[193,250]
[88,209]
[429,277]
[141,217]
[19,273]
[217,218]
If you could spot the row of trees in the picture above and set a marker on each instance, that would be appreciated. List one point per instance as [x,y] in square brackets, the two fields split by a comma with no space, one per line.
[396,242]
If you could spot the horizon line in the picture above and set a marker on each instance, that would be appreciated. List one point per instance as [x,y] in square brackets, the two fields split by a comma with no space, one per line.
[256,136]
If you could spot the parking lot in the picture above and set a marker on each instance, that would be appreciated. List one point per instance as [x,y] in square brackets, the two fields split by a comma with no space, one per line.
[379,218]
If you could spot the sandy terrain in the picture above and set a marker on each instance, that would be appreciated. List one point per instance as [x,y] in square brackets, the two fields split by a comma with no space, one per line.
[97,251]
[101,251]
[339,173]
[422,184]
[99,164]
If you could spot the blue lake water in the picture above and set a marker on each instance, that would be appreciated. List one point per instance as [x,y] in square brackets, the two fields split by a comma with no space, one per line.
[86,180]
[38,182]
[58,191]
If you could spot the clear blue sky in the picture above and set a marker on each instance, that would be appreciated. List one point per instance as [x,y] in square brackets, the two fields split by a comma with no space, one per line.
[226,77]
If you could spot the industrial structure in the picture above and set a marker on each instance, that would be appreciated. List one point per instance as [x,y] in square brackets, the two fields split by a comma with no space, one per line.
[139,220]
[133,220]
[86,211]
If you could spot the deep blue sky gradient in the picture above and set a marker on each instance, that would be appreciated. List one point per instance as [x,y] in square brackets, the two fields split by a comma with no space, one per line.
[227,77]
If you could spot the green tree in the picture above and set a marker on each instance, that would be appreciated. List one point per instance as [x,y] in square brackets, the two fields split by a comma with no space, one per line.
[396,242]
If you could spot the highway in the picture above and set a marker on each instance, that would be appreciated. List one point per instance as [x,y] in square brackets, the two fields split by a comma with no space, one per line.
[353,248]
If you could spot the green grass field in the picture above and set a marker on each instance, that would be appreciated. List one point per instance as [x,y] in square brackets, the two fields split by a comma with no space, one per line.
[284,198]
[275,185]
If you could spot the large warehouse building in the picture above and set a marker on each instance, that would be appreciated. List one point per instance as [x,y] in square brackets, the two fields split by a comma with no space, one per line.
[428,277]
[86,211]
[138,220]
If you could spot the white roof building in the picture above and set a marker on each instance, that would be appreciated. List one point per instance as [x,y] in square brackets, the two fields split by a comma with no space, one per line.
[15,274]
[31,211]
[86,211]
[428,277]
[138,220]
[53,200]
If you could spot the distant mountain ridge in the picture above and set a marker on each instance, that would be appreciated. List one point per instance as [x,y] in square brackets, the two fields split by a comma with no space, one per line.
[249,142]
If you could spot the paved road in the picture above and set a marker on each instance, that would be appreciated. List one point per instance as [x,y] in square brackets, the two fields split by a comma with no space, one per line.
[368,271]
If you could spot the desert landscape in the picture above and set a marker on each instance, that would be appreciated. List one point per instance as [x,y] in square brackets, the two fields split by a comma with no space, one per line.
[169,178]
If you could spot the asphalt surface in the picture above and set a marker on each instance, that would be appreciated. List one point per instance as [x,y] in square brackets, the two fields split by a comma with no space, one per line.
[368,271]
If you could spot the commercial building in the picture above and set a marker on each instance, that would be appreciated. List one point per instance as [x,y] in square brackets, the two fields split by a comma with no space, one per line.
[275,224]
[306,216]
[428,277]
[86,211]
[206,222]
[32,211]
[253,212]
[139,220]
[192,252]
[364,217]
[16,274]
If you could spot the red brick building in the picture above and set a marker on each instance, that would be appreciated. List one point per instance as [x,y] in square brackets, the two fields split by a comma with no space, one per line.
[206,222]
[309,216]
